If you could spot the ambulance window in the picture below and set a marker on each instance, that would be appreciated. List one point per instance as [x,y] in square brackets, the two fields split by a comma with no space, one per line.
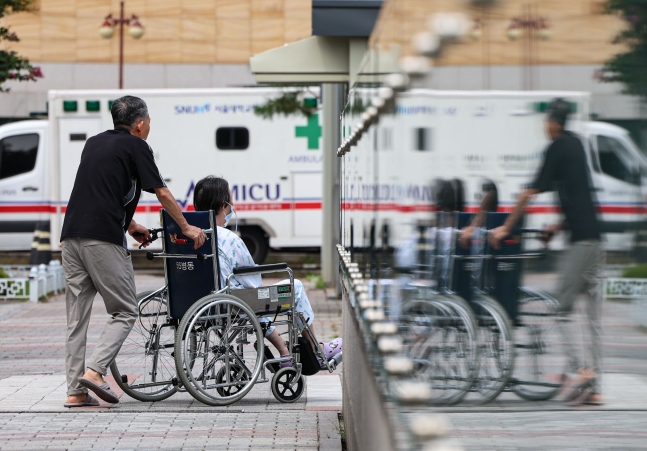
[594,160]
[232,138]
[18,154]
[614,160]
[422,139]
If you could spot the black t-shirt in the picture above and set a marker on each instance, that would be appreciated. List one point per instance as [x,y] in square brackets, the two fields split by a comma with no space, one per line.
[565,170]
[115,166]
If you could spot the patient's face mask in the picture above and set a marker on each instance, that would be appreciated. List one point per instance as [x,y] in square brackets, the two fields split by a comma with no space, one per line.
[230,215]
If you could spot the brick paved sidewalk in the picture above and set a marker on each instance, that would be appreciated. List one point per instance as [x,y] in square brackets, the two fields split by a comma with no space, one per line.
[32,392]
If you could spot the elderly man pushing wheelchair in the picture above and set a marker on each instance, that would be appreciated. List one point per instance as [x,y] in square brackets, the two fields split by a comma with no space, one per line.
[115,167]
[565,170]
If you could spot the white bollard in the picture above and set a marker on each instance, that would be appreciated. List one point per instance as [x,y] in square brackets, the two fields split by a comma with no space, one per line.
[54,268]
[33,284]
[42,276]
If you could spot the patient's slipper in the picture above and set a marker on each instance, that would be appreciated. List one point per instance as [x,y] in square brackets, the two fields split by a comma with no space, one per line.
[286,364]
[332,348]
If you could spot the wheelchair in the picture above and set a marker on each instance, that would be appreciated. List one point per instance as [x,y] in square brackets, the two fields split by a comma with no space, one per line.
[519,342]
[199,334]
[475,328]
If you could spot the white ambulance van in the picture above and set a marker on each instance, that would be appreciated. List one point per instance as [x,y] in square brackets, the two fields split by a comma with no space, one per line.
[498,136]
[273,165]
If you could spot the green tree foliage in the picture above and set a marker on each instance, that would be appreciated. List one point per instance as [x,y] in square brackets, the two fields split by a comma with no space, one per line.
[630,67]
[12,65]
[288,104]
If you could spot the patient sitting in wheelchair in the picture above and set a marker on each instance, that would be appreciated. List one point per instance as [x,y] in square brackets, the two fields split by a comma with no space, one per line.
[213,193]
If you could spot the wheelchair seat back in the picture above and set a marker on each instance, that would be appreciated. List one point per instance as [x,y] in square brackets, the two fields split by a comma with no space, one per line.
[504,274]
[189,279]
[462,283]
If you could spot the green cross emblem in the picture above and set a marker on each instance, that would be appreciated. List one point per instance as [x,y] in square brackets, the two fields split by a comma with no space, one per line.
[312,131]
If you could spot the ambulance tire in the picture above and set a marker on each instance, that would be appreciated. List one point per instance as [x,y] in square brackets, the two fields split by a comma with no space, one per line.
[256,241]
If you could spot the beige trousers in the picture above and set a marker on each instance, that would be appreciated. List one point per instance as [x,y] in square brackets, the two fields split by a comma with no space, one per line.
[92,266]
[581,270]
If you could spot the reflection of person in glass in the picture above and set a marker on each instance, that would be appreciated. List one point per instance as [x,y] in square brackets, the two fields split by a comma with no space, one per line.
[565,170]
[489,204]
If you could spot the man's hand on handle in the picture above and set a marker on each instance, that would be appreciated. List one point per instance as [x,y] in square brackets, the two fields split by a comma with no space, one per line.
[498,234]
[194,233]
[549,232]
[466,236]
[139,232]
[170,205]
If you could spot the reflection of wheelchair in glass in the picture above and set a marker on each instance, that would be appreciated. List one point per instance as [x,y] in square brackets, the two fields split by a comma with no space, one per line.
[209,341]
[473,327]
[518,338]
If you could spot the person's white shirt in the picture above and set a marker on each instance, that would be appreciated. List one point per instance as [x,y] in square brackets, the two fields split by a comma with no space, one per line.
[233,253]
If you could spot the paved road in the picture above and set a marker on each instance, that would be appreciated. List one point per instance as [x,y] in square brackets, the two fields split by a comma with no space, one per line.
[510,423]
[32,389]
[32,392]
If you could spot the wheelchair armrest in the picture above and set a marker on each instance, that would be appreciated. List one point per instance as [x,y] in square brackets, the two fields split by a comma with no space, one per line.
[260,268]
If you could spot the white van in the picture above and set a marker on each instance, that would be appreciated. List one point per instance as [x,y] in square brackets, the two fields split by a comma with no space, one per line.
[478,135]
[273,166]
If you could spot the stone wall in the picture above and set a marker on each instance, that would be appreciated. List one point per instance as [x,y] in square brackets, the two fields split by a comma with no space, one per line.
[177,31]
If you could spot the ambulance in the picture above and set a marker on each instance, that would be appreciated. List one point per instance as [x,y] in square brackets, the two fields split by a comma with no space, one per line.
[477,138]
[273,165]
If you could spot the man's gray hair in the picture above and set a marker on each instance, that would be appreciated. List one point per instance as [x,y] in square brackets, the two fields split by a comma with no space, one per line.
[127,111]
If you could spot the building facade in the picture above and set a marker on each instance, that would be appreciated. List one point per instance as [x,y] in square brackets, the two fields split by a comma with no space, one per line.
[567,53]
[186,44]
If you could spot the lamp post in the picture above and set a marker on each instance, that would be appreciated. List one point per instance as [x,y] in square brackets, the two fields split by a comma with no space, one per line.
[107,30]
[537,27]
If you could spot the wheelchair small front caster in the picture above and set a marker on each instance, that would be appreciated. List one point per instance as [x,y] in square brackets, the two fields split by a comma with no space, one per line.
[285,388]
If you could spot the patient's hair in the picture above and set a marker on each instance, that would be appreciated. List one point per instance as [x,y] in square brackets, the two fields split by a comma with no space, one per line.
[211,193]
[450,196]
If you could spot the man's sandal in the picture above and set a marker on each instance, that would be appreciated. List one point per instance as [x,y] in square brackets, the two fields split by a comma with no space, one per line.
[88,402]
[575,390]
[102,391]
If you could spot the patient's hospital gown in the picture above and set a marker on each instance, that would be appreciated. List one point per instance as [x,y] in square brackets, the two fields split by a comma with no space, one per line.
[233,253]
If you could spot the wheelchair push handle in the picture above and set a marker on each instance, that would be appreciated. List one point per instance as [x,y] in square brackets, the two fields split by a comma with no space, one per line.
[154,233]
[542,235]
[207,235]
[200,256]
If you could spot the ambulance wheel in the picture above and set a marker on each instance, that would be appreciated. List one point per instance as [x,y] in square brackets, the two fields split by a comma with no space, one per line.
[284,388]
[256,242]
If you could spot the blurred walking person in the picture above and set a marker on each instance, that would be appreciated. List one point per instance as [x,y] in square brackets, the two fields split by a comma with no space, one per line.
[565,170]
[115,167]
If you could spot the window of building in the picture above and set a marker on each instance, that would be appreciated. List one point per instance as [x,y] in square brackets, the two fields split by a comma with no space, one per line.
[18,154]
[232,138]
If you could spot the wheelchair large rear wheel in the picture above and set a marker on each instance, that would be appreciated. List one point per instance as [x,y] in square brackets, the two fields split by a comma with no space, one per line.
[540,360]
[144,367]
[222,365]
[440,337]
[496,342]
[461,356]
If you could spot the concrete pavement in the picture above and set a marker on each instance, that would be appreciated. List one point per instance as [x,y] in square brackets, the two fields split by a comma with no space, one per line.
[32,392]
[510,423]
[32,389]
